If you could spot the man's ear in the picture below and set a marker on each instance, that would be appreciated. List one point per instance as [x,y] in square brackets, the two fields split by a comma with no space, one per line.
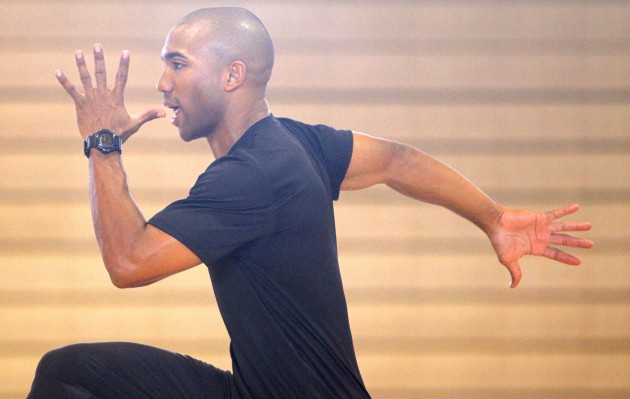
[235,75]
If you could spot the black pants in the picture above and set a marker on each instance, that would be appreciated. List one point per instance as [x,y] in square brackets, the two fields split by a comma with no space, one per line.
[124,370]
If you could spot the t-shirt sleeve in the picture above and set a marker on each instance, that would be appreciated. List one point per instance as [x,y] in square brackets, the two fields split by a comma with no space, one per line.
[229,206]
[336,147]
[332,148]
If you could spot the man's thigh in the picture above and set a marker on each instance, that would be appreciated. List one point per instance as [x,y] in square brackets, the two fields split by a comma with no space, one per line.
[127,370]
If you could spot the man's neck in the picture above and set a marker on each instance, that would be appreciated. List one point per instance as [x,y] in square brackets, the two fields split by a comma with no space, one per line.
[224,138]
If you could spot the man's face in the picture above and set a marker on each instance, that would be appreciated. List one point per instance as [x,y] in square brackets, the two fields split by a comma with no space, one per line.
[191,82]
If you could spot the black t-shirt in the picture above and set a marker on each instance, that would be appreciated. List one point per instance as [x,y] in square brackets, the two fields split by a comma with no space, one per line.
[261,218]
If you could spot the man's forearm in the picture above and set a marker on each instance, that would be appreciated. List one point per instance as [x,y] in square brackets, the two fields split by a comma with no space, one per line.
[424,178]
[117,220]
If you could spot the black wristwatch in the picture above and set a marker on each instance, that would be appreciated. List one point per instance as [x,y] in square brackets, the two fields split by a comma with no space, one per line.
[104,140]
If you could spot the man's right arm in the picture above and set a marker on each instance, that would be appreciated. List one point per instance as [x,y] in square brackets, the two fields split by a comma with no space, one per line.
[134,253]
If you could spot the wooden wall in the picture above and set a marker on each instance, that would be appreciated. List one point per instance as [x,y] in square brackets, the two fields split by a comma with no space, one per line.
[530,99]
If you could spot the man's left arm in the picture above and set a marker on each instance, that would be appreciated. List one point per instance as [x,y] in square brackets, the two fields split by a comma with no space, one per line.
[513,233]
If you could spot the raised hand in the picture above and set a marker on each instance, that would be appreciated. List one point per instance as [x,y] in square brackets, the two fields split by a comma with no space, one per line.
[520,233]
[99,107]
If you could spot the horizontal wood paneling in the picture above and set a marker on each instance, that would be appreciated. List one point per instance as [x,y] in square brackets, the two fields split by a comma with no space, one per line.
[362,71]
[530,100]
[539,123]
[376,19]
[545,171]
[27,277]
[188,321]
[409,220]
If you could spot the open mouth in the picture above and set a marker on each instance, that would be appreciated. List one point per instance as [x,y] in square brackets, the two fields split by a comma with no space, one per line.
[177,111]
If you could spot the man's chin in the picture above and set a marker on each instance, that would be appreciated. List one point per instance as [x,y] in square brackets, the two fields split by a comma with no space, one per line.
[187,136]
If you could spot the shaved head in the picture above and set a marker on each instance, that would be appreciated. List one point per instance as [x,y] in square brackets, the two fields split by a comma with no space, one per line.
[235,34]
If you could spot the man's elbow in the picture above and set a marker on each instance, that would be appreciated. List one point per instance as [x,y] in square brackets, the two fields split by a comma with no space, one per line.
[123,273]
[121,282]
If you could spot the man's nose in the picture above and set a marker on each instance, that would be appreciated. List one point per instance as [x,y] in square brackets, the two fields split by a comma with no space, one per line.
[164,84]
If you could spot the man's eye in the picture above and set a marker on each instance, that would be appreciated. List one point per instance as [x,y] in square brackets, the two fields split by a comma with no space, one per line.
[177,66]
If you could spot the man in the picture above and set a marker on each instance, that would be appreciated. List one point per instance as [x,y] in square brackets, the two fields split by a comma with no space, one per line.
[260,218]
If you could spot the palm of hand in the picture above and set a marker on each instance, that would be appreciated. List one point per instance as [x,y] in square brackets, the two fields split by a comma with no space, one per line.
[520,233]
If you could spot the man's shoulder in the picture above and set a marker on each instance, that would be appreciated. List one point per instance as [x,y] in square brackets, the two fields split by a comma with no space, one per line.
[295,125]
[313,136]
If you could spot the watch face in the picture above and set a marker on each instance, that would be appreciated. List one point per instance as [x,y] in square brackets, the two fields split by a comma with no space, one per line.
[105,140]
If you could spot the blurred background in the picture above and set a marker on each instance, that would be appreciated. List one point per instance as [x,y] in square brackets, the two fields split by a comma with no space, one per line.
[529,99]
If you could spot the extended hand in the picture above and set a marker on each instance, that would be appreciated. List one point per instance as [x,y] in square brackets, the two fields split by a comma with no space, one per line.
[99,107]
[520,233]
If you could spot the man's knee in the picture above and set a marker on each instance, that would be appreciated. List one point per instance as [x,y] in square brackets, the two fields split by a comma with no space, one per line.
[63,363]
[58,371]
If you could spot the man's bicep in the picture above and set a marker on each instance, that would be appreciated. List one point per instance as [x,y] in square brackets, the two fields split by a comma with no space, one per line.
[158,255]
[371,161]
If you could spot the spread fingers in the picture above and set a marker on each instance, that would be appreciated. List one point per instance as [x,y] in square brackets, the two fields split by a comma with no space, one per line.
[84,74]
[99,67]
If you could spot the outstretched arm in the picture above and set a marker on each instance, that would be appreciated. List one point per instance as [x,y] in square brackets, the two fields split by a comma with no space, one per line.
[513,233]
[134,252]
